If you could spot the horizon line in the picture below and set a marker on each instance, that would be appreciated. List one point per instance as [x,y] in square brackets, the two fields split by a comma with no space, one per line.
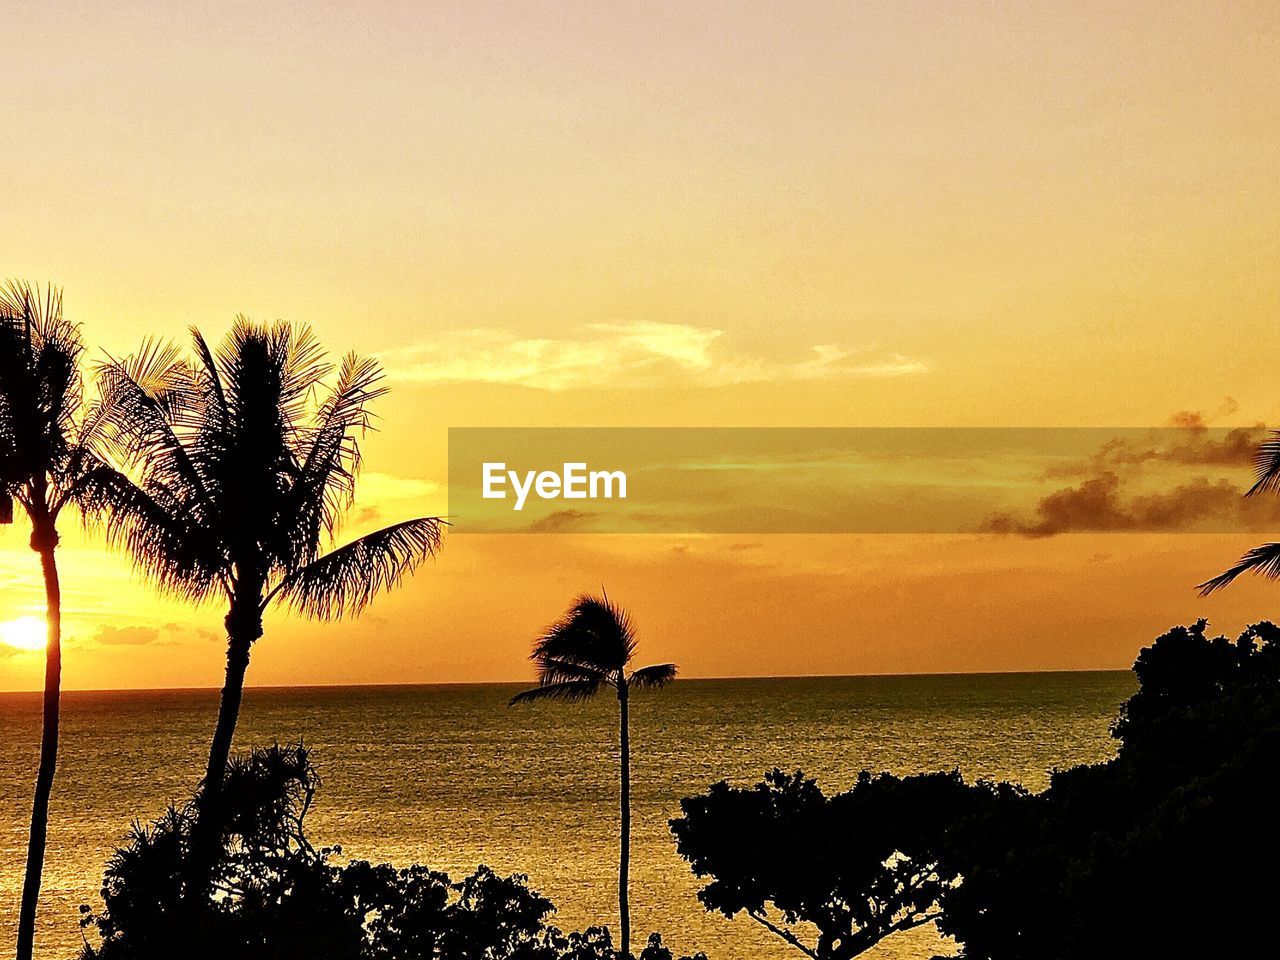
[527,681]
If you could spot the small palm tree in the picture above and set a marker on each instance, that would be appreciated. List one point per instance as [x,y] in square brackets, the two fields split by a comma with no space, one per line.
[1263,559]
[588,650]
[48,461]
[245,462]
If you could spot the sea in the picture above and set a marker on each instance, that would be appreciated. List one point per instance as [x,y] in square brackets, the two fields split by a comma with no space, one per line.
[450,776]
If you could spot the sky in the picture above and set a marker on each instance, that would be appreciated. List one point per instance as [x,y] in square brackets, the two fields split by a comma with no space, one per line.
[750,214]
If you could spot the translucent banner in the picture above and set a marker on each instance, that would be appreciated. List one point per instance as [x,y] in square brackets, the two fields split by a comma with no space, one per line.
[1032,482]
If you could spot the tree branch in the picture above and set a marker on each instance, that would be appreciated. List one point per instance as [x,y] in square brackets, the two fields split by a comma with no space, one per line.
[785,934]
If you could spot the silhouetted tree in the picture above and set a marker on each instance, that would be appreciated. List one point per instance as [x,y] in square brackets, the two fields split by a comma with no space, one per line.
[857,867]
[281,898]
[247,462]
[1160,852]
[588,650]
[1156,853]
[49,459]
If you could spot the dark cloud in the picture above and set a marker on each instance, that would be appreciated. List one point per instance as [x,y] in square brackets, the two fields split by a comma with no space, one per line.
[1099,505]
[1108,497]
[1232,448]
[1190,443]
[559,521]
[1188,420]
[1196,420]
[365,515]
[1229,406]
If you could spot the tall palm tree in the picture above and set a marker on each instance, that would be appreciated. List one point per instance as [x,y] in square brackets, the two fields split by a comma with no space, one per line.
[1263,559]
[245,462]
[48,461]
[588,650]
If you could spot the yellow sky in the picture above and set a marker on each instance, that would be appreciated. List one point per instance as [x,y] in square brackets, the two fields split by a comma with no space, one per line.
[672,214]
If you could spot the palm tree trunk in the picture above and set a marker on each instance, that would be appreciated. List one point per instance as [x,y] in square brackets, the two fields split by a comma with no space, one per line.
[624,853]
[45,540]
[242,631]
[228,714]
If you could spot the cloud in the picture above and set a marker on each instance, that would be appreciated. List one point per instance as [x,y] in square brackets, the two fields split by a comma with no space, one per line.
[560,520]
[632,354]
[126,636]
[387,486]
[1229,406]
[829,361]
[136,634]
[1098,506]
[368,515]
[1195,420]
[1189,420]
[375,491]
[1189,444]
[1109,499]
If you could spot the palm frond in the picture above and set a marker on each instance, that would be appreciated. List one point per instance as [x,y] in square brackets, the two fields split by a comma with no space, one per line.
[345,580]
[24,301]
[89,449]
[1264,559]
[270,372]
[1266,463]
[303,361]
[588,649]
[594,633]
[41,394]
[156,372]
[216,396]
[95,489]
[324,484]
[145,399]
[259,420]
[658,675]
[572,691]
[178,555]
[553,670]
[358,385]
[246,464]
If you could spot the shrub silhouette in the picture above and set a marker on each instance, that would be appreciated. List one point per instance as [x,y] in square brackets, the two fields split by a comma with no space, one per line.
[275,896]
[1157,853]
[858,867]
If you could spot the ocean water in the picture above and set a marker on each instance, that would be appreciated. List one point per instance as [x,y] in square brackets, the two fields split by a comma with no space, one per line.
[452,777]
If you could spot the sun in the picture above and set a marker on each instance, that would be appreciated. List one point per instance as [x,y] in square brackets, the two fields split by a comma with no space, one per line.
[24,633]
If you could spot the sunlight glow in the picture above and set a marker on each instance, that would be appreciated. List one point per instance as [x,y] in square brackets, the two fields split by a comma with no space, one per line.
[24,633]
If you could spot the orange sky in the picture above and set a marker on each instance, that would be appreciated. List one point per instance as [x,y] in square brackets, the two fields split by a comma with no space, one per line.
[675,214]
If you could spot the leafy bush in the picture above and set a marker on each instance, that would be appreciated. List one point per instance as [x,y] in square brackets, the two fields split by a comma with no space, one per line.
[858,867]
[275,896]
[1156,853]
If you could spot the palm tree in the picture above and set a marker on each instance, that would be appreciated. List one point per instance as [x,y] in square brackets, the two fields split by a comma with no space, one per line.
[582,653]
[1264,559]
[245,461]
[48,461]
